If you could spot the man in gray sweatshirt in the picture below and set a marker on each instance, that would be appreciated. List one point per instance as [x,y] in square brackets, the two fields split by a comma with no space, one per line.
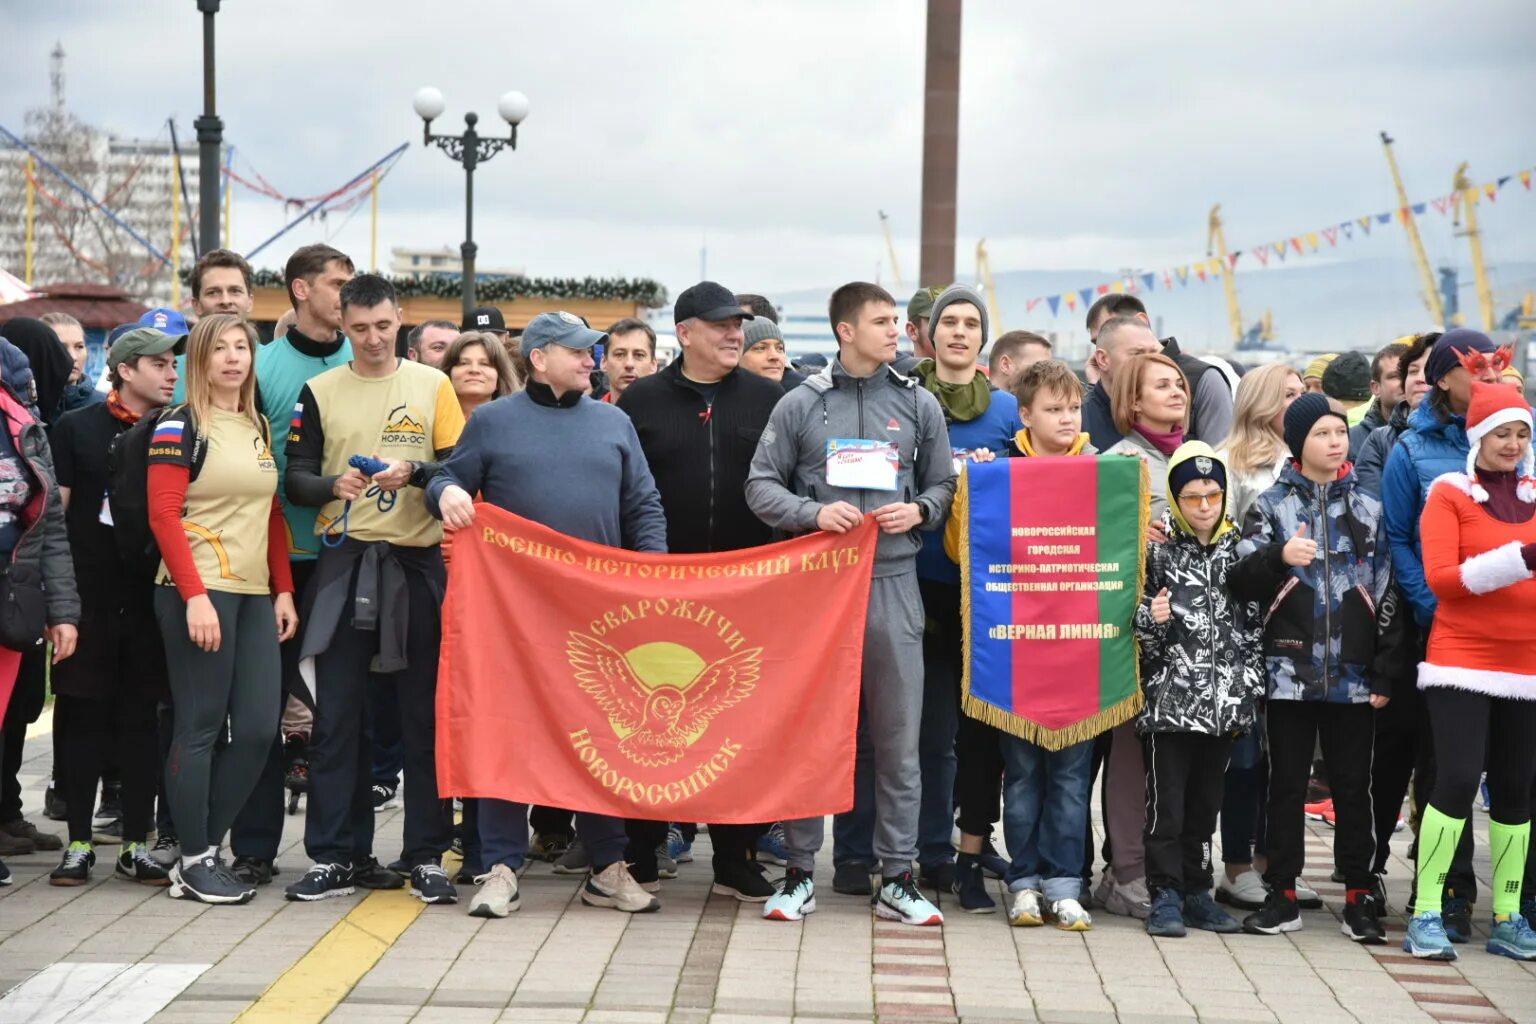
[860,439]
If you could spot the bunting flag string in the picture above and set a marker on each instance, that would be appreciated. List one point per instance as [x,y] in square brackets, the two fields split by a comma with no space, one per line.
[1213,267]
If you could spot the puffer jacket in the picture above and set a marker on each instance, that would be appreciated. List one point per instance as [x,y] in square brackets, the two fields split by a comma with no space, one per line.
[44,542]
[1202,671]
[16,371]
[1433,445]
[1378,445]
[787,484]
[1330,628]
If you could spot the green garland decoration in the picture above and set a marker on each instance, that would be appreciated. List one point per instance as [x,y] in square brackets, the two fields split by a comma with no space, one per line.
[643,290]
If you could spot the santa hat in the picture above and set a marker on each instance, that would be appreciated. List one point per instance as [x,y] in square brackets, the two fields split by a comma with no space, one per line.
[1492,406]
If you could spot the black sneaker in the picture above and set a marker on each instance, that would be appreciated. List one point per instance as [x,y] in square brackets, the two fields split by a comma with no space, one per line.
[993,864]
[321,882]
[134,864]
[940,876]
[971,887]
[208,881]
[1278,914]
[54,808]
[253,870]
[111,808]
[107,833]
[737,880]
[385,797]
[1362,921]
[75,868]
[368,873]
[430,884]
[852,880]
[1456,916]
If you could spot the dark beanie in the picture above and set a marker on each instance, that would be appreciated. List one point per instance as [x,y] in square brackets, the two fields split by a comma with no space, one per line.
[1442,357]
[1348,378]
[1302,416]
[1199,467]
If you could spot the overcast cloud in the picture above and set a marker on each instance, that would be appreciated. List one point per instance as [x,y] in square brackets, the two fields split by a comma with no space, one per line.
[1092,135]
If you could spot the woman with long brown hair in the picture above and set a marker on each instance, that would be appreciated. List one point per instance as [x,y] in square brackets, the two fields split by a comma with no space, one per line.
[480,369]
[225,597]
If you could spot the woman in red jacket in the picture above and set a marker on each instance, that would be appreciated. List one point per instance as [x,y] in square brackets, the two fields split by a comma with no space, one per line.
[225,597]
[1479,676]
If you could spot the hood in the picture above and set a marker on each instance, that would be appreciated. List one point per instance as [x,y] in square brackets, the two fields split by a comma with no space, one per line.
[834,376]
[1399,419]
[1293,478]
[1079,447]
[1198,450]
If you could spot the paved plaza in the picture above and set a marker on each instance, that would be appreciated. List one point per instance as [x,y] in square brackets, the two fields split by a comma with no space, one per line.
[115,952]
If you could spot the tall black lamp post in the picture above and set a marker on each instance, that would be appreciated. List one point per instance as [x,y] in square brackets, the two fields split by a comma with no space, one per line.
[210,139]
[471,150]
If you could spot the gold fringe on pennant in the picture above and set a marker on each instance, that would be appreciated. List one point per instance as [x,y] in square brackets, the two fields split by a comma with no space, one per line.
[1016,725]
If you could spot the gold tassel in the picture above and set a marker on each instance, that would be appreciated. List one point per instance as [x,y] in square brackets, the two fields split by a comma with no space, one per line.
[1053,739]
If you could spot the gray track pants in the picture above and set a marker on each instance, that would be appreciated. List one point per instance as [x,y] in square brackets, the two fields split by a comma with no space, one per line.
[891,704]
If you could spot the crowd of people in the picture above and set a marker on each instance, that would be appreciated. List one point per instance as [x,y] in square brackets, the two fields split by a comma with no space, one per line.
[229,558]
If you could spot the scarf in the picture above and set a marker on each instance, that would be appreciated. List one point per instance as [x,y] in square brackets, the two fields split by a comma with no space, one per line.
[962,402]
[120,411]
[1165,443]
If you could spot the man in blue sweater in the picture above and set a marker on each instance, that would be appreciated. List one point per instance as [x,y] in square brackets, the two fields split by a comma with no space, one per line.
[555,456]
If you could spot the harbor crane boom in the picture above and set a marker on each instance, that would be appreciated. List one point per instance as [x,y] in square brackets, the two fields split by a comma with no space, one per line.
[984,276]
[890,251]
[1464,203]
[1426,275]
[1216,244]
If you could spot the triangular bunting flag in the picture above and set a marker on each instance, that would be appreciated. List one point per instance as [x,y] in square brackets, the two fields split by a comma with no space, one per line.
[1232,258]
[1150,280]
[1440,204]
[1365,224]
[1183,273]
[1503,181]
[1118,287]
[1312,240]
[1418,209]
[1054,301]
[1332,235]
[1103,289]
[1029,307]
[1262,252]
[1348,228]
[1280,249]
[1168,279]
[1200,271]
[1071,301]
[1384,218]
[1492,191]
[1296,244]
[1525,179]
[1087,294]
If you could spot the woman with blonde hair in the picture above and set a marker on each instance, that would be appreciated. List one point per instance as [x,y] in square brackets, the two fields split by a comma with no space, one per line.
[1255,449]
[481,370]
[224,597]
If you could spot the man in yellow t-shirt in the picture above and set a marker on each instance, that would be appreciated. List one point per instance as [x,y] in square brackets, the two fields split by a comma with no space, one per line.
[372,613]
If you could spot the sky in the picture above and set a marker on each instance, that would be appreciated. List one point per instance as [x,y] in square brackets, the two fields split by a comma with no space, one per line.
[769,134]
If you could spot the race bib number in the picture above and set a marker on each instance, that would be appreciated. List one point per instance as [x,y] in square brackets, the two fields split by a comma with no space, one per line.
[857,464]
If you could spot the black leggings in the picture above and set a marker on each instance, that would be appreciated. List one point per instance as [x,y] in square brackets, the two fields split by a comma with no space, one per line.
[93,734]
[1467,726]
[232,692]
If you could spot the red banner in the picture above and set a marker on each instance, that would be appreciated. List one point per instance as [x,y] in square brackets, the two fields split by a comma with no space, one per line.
[720,687]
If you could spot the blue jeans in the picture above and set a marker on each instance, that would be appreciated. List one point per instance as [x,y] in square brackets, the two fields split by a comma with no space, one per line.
[1045,813]
[503,828]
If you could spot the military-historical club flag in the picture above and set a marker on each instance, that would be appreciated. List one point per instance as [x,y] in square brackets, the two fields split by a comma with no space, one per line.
[717,687]
[1051,573]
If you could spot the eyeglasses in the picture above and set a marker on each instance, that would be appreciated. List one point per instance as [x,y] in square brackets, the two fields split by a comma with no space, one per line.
[1479,363]
[1202,500]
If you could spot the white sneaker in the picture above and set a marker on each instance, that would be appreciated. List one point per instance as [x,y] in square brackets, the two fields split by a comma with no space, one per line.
[1306,896]
[1070,916]
[497,895]
[617,888]
[1024,911]
[1130,899]
[1246,890]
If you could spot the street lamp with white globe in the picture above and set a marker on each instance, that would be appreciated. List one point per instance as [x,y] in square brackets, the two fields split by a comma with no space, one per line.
[470,150]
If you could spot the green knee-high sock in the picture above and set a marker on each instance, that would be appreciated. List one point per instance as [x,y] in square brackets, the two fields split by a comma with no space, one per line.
[1438,836]
[1507,848]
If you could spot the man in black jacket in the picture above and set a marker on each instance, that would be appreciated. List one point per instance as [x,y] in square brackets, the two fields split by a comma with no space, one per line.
[699,421]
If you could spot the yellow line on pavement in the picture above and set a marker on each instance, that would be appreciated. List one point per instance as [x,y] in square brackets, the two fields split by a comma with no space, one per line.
[312,987]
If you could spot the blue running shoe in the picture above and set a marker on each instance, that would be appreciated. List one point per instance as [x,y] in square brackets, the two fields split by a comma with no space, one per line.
[678,848]
[770,848]
[901,900]
[795,898]
[1166,918]
[1203,912]
[1512,936]
[1426,938]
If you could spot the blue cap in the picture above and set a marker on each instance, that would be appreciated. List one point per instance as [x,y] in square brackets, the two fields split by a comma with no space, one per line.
[560,328]
[118,332]
[163,319]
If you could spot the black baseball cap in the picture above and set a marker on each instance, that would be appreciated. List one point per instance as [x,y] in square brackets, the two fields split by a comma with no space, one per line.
[484,318]
[708,301]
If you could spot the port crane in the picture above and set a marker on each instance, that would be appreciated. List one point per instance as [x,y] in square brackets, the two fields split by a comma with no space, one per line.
[1426,275]
[1464,206]
[890,251]
[1261,333]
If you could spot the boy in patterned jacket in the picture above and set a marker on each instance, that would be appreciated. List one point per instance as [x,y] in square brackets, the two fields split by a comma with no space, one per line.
[1203,677]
